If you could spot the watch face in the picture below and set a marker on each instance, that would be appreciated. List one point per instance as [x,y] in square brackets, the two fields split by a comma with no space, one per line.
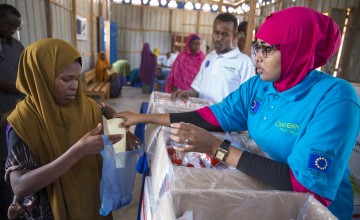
[220,155]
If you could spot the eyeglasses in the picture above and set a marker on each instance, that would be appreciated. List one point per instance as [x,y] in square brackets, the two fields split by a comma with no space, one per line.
[265,50]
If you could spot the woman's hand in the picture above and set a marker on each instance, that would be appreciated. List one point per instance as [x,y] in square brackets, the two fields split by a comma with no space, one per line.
[180,94]
[92,142]
[130,118]
[195,138]
[132,141]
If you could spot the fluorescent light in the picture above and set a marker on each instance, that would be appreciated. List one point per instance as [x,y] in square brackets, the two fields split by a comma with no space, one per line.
[154,3]
[189,6]
[172,4]
[239,10]
[206,7]
[197,5]
[136,2]
[215,7]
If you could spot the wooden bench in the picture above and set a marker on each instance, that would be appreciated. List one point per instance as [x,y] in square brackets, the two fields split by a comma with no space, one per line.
[93,88]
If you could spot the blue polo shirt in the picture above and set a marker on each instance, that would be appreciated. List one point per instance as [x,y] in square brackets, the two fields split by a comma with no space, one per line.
[306,127]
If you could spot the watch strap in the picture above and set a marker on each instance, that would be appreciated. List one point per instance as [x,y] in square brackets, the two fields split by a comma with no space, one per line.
[222,150]
[225,145]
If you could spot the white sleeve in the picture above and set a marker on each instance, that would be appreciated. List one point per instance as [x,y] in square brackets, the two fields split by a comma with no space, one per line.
[196,84]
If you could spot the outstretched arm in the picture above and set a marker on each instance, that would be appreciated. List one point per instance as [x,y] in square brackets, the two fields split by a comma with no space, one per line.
[132,118]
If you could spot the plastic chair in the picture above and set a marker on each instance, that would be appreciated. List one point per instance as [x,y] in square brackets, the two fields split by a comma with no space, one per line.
[161,82]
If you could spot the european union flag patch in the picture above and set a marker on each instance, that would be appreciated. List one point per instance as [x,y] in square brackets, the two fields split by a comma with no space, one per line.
[255,105]
[207,63]
[319,163]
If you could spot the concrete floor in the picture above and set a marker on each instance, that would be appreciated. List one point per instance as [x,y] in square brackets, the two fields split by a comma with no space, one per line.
[131,99]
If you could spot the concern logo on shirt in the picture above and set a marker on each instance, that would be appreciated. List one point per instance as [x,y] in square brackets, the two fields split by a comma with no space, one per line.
[230,69]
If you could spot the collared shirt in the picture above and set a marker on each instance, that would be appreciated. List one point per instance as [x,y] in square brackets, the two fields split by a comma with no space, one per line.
[10,52]
[221,74]
[306,127]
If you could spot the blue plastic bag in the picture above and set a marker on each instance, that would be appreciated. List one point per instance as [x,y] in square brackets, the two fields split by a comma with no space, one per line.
[118,177]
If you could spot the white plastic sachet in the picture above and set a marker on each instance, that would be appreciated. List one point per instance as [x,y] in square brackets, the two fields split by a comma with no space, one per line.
[112,125]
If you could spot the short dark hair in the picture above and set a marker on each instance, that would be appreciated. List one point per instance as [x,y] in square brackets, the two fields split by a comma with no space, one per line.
[243,27]
[227,17]
[5,8]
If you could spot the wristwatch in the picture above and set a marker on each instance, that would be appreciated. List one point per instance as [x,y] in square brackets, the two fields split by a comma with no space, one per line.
[222,150]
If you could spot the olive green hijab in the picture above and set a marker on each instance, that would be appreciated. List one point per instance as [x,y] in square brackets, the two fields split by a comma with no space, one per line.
[49,129]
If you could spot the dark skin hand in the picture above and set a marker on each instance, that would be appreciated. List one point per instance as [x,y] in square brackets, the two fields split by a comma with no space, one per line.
[27,182]
[184,94]
[14,210]
[198,139]
[132,141]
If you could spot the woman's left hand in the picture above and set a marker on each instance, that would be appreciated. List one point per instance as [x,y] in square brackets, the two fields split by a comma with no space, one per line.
[195,139]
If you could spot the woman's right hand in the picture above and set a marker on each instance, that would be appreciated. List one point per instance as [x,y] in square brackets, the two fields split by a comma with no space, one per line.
[180,94]
[130,118]
[92,142]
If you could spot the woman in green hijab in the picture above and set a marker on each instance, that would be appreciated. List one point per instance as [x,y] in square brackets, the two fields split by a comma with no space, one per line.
[54,165]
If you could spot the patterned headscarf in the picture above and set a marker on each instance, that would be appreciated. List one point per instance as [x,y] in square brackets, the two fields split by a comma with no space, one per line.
[307,39]
[49,129]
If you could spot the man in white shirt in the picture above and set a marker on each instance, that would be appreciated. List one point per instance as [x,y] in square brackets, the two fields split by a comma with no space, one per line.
[170,58]
[224,69]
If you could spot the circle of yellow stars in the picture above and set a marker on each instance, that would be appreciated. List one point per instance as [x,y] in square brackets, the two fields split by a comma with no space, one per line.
[321,159]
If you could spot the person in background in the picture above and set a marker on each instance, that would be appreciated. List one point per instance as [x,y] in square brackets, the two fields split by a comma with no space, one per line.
[122,67]
[10,51]
[186,65]
[147,68]
[54,140]
[242,30]
[168,63]
[156,52]
[224,69]
[288,109]
[102,65]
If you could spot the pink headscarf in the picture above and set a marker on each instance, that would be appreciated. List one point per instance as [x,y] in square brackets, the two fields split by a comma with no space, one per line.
[147,65]
[307,38]
[185,68]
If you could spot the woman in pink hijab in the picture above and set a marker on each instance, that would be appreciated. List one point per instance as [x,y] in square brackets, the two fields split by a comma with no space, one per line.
[306,121]
[186,66]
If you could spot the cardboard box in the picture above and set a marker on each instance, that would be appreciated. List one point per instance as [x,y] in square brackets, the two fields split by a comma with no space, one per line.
[240,204]
[166,176]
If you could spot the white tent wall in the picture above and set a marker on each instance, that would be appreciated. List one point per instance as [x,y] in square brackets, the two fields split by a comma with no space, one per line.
[61,21]
[155,25]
